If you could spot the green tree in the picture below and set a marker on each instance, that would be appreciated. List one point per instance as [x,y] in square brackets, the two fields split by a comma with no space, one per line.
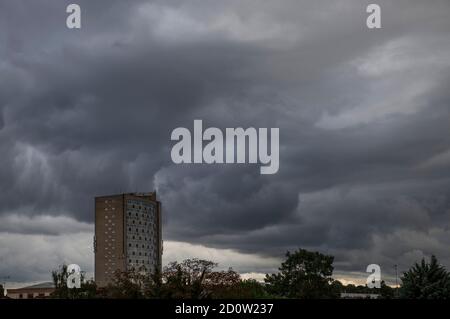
[154,286]
[336,288]
[222,284]
[250,289]
[86,291]
[426,281]
[125,285]
[386,291]
[303,274]
[196,279]
[187,279]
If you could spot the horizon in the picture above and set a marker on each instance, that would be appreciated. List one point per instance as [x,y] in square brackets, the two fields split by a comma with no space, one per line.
[360,167]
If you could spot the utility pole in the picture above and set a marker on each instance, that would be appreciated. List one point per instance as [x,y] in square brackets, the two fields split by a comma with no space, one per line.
[396,279]
[3,281]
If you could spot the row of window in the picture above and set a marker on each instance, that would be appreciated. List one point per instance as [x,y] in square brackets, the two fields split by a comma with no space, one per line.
[140,223]
[142,215]
[139,205]
[143,230]
[137,261]
[31,296]
[137,246]
[133,253]
[139,238]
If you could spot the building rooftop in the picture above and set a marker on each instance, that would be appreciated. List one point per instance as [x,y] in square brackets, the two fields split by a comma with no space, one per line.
[47,284]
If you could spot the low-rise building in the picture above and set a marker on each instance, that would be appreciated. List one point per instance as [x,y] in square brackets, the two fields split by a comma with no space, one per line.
[359,296]
[39,291]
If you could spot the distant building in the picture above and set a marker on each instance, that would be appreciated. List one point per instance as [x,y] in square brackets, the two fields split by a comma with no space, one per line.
[127,234]
[39,291]
[359,296]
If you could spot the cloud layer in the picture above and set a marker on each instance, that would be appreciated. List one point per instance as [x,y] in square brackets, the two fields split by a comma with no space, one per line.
[363,117]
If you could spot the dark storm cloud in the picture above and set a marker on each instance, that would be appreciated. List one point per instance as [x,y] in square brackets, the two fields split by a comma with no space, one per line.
[363,117]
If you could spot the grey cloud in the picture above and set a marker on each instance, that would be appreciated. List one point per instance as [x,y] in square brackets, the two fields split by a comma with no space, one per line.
[363,114]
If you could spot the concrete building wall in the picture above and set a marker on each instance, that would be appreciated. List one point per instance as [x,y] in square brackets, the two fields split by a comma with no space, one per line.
[109,245]
[29,293]
[127,234]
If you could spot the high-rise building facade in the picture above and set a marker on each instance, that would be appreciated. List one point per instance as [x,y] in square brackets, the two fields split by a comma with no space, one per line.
[127,234]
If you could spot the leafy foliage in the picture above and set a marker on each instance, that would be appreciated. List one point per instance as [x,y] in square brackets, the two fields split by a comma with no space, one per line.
[426,281]
[303,274]
[192,278]
[125,285]
[384,291]
[59,276]
[189,278]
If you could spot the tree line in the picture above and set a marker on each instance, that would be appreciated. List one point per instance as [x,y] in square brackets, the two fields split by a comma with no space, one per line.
[302,275]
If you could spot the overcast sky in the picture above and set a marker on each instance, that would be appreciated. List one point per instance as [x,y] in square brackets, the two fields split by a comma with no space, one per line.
[364,118]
